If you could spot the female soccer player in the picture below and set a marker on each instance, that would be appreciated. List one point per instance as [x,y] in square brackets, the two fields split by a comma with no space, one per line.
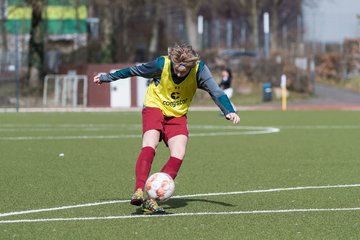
[175,79]
[225,84]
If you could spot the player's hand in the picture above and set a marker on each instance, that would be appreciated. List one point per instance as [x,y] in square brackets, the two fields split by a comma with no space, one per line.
[233,117]
[97,79]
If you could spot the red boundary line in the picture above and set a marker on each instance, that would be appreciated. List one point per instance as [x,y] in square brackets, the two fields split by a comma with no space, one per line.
[306,107]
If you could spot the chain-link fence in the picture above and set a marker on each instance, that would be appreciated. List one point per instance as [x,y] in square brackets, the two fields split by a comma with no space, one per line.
[12,72]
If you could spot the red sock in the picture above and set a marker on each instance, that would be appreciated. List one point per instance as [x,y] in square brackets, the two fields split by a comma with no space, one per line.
[143,166]
[172,167]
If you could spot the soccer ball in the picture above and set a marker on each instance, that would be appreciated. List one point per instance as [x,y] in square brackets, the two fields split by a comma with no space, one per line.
[160,186]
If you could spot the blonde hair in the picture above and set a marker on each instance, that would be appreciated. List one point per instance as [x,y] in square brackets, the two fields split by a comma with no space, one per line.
[183,56]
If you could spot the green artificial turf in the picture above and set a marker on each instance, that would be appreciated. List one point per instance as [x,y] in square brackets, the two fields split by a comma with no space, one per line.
[268,185]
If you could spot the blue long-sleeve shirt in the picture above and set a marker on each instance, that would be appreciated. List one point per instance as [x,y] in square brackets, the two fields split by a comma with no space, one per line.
[153,70]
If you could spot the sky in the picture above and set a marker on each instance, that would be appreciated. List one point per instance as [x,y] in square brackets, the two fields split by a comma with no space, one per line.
[332,21]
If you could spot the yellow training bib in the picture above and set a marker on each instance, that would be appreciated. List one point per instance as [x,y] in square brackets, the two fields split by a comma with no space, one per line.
[173,99]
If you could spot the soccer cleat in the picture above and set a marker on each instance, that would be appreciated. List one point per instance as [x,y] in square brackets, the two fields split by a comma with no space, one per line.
[151,205]
[137,198]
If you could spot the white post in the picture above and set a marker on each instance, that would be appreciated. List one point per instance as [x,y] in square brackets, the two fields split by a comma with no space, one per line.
[74,90]
[266,34]
[283,92]
[229,33]
[64,91]
[45,90]
[200,29]
[85,89]
[57,90]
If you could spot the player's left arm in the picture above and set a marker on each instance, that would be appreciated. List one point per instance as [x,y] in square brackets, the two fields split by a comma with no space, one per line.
[208,83]
[233,117]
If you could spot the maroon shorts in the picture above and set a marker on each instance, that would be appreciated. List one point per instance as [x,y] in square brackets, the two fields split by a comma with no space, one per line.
[153,118]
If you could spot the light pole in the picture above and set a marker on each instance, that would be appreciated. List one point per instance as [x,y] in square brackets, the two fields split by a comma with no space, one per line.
[17,66]
[200,28]
[266,34]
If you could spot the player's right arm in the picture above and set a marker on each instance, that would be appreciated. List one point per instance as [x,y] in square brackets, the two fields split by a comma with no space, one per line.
[147,70]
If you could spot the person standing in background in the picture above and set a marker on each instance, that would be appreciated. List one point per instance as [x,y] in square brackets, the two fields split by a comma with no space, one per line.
[225,84]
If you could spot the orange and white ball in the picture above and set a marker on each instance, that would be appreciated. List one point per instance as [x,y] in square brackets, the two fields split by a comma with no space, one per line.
[160,186]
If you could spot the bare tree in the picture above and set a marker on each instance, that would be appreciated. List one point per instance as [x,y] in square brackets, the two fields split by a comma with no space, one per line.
[128,27]
[2,26]
[191,9]
[159,7]
[255,24]
[123,25]
[250,9]
[36,45]
[275,11]
[103,10]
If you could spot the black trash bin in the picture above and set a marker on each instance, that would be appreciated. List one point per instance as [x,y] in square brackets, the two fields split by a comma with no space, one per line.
[267,92]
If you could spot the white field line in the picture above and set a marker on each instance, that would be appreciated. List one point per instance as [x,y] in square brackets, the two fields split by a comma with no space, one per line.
[238,130]
[248,131]
[59,129]
[181,214]
[14,127]
[311,127]
[267,190]
[50,127]
[80,125]
[62,208]
[182,196]
[66,127]
[82,137]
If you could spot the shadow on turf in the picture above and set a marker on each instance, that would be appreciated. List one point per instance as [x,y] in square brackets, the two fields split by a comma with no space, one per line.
[182,202]
[175,203]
